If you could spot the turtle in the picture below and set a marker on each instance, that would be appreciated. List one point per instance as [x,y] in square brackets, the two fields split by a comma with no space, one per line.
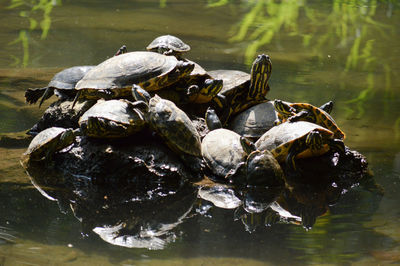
[197,87]
[242,90]
[255,121]
[235,158]
[168,45]
[47,142]
[62,84]
[113,119]
[308,112]
[114,77]
[290,140]
[172,125]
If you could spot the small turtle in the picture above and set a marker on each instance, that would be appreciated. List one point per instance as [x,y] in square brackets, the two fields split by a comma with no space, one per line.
[114,77]
[242,90]
[168,45]
[197,87]
[255,121]
[236,159]
[113,119]
[172,125]
[307,112]
[288,141]
[47,142]
[62,84]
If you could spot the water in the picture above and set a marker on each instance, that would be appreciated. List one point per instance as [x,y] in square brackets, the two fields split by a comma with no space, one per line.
[340,51]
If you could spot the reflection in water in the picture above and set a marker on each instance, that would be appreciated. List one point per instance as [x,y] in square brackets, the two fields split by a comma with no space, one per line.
[31,10]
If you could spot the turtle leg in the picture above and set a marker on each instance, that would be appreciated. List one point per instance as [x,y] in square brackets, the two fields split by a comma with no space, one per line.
[303,115]
[297,147]
[33,95]
[337,145]
[47,94]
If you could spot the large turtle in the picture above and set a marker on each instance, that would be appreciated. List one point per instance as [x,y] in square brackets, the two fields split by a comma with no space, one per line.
[62,84]
[48,141]
[308,112]
[114,77]
[172,125]
[242,90]
[291,140]
[113,119]
[232,157]
[168,45]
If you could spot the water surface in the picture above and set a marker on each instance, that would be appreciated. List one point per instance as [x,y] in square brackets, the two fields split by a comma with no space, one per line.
[342,51]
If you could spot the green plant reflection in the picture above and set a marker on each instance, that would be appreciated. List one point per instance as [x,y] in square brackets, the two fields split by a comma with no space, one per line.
[37,12]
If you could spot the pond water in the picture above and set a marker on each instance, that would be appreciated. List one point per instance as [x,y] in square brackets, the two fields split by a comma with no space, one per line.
[345,51]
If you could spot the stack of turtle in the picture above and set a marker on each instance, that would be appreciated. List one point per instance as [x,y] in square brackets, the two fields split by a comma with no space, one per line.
[159,92]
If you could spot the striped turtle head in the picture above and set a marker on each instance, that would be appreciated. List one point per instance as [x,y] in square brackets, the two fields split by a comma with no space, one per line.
[260,74]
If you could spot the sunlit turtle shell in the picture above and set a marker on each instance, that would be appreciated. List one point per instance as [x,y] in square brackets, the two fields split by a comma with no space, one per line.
[168,45]
[112,119]
[114,77]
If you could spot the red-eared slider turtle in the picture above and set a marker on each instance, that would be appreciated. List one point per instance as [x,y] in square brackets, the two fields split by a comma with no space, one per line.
[306,112]
[114,77]
[242,90]
[172,125]
[62,84]
[291,140]
[197,87]
[255,121]
[48,141]
[168,45]
[113,119]
[230,156]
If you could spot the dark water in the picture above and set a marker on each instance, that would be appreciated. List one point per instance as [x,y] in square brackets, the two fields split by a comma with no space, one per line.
[342,51]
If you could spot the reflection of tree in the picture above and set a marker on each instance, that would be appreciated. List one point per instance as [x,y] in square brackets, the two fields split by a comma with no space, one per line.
[37,12]
[350,28]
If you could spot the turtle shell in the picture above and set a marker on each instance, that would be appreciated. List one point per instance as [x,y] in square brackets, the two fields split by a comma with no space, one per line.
[47,141]
[151,71]
[233,80]
[63,83]
[280,138]
[168,43]
[174,126]
[255,121]
[222,151]
[111,119]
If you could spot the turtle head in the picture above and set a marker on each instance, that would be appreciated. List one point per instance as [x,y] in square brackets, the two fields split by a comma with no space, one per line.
[283,108]
[140,94]
[247,145]
[314,140]
[211,87]
[121,50]
[212,119]
[260,74]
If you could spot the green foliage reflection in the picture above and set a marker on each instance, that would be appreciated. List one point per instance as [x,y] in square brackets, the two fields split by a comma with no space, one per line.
[37,12]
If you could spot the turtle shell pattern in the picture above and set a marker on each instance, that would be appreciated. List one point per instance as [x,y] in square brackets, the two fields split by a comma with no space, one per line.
[151,71]
[174,126]
[280,138]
